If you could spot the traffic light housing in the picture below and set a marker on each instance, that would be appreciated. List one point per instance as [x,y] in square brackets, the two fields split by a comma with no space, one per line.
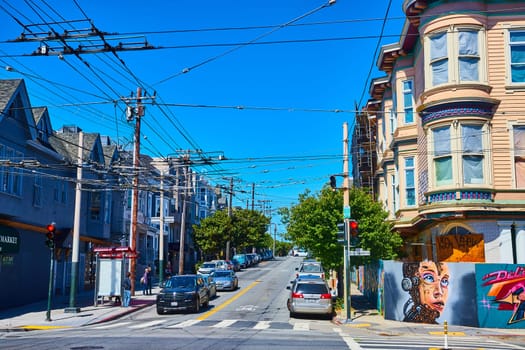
[341,233]
[333,182]
[353,228]
[50,241]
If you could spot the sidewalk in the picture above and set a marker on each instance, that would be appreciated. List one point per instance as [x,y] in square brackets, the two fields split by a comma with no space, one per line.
[33,316]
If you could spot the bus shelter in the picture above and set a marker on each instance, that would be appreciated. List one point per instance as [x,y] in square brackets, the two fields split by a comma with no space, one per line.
[112,263]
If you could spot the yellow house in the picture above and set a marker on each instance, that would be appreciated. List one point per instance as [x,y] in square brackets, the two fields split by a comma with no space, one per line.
[444,129]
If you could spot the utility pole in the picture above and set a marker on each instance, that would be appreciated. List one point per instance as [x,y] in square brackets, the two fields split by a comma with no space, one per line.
[138,113]
[76,230]
[230,213]
[183,220]
[347,215]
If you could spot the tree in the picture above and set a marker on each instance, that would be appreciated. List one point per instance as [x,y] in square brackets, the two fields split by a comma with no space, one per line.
[245,229]
[312,224]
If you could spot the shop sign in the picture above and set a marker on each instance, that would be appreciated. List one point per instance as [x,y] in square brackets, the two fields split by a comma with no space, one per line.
[9,240]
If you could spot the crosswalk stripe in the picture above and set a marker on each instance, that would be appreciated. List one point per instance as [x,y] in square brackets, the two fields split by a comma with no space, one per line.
[113,325]
[147,324]
[184,324]
[224,323]
[301,326]
[262,325]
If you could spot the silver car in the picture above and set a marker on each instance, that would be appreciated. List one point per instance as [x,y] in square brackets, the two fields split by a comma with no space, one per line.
[310,296]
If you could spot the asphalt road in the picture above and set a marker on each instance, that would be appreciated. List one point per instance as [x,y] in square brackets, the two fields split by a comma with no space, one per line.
[253,317]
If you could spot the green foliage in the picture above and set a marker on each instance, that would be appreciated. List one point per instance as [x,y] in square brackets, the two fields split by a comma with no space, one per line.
[312,224]
[244,229]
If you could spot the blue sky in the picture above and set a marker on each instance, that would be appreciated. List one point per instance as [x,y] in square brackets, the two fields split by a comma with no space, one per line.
[269,86]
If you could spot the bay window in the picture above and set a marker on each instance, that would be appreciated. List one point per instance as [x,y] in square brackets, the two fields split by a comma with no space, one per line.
[455,57]
[458,154]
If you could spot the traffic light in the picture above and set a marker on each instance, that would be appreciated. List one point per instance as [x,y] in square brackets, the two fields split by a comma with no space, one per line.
[333,182]
[354,228]
[50,241]
[341,233]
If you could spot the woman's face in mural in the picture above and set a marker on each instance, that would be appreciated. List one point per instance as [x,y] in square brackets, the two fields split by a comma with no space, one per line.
[433,290]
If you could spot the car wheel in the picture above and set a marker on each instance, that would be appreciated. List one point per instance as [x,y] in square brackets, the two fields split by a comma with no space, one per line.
[197,305]
[207,303]
[160,310]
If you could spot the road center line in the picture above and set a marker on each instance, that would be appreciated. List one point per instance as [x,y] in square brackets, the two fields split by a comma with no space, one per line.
[228,302]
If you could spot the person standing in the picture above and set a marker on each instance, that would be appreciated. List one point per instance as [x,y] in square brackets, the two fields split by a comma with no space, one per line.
[127,290]
[148,280]
[144,281]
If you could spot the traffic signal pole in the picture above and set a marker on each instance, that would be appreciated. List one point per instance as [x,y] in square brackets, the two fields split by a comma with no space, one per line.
[347,216]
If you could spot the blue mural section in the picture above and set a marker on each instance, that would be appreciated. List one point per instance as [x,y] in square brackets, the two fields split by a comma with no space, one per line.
[501,295]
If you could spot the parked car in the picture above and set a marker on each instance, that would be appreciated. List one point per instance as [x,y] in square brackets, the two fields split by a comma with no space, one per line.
[234,264]
[183,292]
[310,296]
[210,283]
[221,264]
[207,267]
[242,259]
[310,268]
[300,253]
[226,280]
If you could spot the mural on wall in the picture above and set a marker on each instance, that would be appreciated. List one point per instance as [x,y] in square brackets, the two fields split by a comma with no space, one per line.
[501,295]
[430,292]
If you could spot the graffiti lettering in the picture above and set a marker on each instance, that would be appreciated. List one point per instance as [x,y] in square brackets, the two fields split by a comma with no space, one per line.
[502,275]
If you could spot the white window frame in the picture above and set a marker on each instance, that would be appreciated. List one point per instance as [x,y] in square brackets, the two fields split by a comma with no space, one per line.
[453,56]
[508,46]
[407,169]
[408,109]
[457,155]
[517,156]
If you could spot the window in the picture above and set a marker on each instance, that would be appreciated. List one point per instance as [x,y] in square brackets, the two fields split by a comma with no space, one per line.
[60,192]
[458,154]
[455,57]
[393,121]
[37,191]
[94,206]
[442,156]
[408,108]
[10,176]
[410,184]
[519,155]
[471,138]
[395,193]
[517,56]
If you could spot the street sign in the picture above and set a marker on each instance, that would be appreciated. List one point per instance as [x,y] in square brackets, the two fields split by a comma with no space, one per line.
[359,252]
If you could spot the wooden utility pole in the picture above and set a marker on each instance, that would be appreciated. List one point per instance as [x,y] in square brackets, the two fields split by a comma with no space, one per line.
[138,113]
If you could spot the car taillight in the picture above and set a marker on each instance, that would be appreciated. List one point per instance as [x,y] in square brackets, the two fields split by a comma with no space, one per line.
[326,296]
[322,275]
[297,296]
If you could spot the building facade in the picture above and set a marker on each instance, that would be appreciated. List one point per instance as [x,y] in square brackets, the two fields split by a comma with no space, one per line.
[447,125]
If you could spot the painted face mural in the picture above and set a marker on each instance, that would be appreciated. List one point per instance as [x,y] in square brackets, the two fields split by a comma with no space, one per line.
[433,289]
[427,283]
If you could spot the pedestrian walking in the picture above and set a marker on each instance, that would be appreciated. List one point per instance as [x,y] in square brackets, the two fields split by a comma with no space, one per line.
[148,279]
[144,281]
[127,290]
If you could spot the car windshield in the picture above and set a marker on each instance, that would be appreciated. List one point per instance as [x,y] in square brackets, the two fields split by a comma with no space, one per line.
[222,274]
[180,282]
[311,288]
[208,265]
[311,268]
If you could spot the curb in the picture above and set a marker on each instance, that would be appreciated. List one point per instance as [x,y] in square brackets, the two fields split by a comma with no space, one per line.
[123,313]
